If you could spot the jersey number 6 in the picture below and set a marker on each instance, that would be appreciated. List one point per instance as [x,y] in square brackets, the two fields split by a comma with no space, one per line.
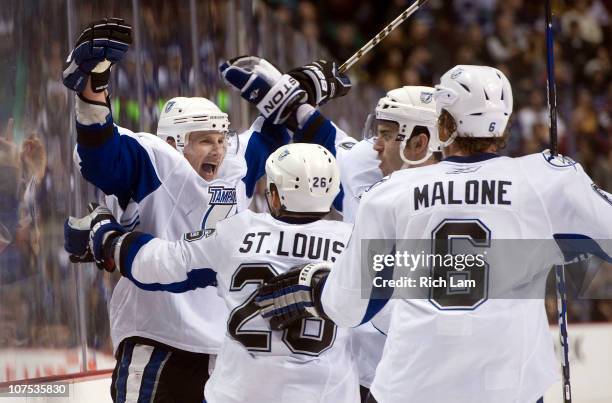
[443,237]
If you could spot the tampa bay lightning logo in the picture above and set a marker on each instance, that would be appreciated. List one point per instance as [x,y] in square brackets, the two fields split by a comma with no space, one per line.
[456,73]
[283,155]
[558,160]
[601,193]
[254,94]
[169,106]
[426,97]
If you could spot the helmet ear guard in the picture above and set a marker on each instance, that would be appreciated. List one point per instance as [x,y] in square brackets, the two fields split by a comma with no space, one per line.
[409,107]
[433,146]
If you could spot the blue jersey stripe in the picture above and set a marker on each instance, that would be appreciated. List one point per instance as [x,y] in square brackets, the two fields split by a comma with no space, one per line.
[150,375]
[123,372]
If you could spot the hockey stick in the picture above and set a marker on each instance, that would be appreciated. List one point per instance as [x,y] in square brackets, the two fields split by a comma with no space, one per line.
[559,272]
[381,35]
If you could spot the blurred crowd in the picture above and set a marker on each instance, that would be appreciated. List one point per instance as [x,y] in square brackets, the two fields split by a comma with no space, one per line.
[506,34]
[179,55]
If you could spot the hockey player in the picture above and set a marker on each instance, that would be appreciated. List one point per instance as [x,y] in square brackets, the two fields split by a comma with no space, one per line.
[458,344]
[402,133]
[163,341]
[161,337]
[406,135]
[309,361]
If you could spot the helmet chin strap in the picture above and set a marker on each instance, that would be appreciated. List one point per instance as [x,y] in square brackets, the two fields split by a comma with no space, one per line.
[450,140]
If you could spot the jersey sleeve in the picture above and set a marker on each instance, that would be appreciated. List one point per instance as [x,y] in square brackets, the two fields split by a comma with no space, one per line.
[358,163]
[581,218]
[155,264]
[579,212]
[128,217]
[343,298]
[117,161]
[317,129]
[262,139]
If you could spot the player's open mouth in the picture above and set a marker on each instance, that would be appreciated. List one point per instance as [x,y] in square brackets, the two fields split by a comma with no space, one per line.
[209,169]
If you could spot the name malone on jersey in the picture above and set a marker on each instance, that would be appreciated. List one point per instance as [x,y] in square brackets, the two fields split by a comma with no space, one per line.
[475,192]
[300,245]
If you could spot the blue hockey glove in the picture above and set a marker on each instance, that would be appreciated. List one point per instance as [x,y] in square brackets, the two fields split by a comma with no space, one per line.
[274,94]
[102,44]
[76,237]
[104,229]
[88,239]
[293,295]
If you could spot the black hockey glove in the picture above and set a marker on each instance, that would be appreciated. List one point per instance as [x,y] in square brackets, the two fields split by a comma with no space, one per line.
[321,81]
[293,295]
[102,44]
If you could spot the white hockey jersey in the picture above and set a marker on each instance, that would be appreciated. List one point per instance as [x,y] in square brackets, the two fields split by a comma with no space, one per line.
[358,164]
[498,350]
[171,199]
[309,362]
[128,216]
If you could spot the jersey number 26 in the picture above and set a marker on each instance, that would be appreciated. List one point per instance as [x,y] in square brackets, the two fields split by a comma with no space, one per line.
[294,337]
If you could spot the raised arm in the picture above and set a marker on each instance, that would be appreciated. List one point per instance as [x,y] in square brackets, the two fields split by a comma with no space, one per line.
[286,101]
[123,165]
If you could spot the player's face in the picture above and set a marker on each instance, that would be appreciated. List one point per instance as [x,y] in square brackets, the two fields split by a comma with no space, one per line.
[205,152]
[387,146]
[171,141]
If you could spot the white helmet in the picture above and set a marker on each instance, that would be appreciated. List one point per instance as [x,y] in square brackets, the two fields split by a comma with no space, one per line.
[182,116]
[479,98]
[306,176]
[410,107]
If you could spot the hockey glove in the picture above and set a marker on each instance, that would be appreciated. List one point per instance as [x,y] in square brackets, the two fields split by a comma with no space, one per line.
[293,295]
[322,81]
[104,230]
[274,94]
[89,239]
[76,237]
[102,44]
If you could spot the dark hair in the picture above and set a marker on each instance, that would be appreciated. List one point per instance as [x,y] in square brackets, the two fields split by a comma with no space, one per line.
[418,130]
[283,212]
[469,144]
